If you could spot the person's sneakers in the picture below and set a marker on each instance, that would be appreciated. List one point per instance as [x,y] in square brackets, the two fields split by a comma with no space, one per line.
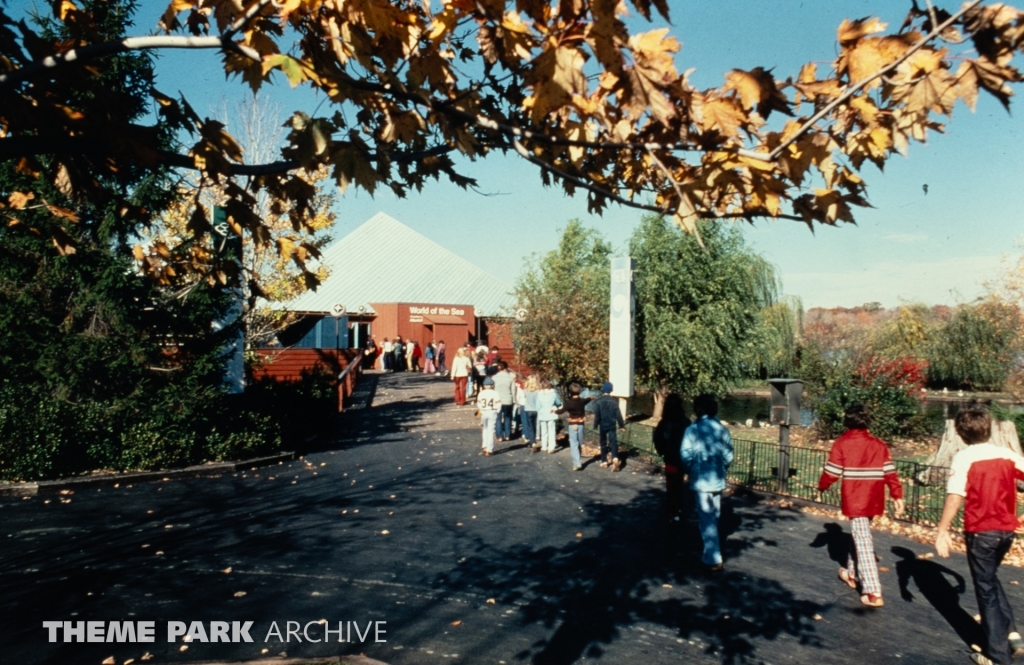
[485,453]
[715,568]
[1016,644]
[616,464]
[577,468]
[981,659]
[872,599]
[844,575]
[535,448]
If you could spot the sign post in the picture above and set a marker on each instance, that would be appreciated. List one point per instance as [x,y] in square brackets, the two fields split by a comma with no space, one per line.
[786,394]
[337,311]
[620,330]
[227,243]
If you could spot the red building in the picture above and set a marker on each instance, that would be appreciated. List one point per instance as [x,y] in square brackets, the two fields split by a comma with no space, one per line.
[388,281]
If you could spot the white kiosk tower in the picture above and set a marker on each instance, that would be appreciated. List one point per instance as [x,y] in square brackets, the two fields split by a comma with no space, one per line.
[620,331]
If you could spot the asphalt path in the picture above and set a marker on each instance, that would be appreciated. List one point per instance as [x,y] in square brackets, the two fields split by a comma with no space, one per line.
[468,559]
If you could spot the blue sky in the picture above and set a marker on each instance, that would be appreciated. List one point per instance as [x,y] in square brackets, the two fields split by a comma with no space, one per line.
[937,247]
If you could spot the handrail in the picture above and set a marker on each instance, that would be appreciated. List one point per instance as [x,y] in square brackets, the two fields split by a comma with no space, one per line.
[357,363]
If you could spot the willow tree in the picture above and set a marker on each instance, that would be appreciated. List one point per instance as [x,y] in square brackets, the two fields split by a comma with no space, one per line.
[699,309]
[564,85]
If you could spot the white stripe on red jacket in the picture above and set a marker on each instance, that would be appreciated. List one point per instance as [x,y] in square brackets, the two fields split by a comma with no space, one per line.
[865,465]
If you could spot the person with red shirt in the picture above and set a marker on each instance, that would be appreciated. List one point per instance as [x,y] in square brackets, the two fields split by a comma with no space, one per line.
[865,465]
[983,478]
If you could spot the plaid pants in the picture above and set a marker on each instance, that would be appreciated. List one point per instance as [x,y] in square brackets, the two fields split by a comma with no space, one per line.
[864,552]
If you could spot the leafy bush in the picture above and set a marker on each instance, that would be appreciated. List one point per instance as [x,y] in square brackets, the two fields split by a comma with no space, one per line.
[42,437]
[890,389]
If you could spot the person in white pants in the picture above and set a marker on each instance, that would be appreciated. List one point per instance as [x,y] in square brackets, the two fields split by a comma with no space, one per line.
[489,403]
[547,404]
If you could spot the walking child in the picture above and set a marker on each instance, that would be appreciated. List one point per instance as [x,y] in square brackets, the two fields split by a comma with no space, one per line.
[489,403]
[707,451]
[865,465]
[547,404]
[576,407]
[606,417]
[983,479]
[529,419]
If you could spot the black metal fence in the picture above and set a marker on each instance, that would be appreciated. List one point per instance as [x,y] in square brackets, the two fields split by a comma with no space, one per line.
[756,465]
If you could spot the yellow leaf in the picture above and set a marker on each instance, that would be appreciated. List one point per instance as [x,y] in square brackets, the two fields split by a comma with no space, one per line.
[866,108]
[685,218]
[723,115]
[851,31]
[62,212]
[967,84]
[19,199]
[746,86]
[288,66]
[757,88]
[66,7]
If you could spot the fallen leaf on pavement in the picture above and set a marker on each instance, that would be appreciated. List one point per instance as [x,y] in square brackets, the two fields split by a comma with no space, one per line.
[456,623]
[108,661]
[491,601]
[239,594]
[226,570]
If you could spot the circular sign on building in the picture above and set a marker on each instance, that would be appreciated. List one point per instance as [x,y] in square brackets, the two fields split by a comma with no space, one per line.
[520,315]
[337,310]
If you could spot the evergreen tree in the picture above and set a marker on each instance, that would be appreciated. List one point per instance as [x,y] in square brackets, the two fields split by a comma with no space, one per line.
[100,365]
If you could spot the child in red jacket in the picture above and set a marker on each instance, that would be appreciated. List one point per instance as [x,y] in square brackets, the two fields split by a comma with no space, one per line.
[983,479]
[865,465]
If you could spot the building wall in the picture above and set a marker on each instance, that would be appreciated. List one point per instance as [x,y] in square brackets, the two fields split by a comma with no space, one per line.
[412,321]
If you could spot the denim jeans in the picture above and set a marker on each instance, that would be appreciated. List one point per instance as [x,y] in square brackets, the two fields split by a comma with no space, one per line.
[503,426]
[575,441]
[609,440]
[709,509]
[985,551]
[530,426]
[487,420]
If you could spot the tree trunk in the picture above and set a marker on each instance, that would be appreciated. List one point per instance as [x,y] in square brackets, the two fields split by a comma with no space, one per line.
[659,403]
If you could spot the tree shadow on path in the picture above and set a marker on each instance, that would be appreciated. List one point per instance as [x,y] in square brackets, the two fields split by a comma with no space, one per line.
[613,576]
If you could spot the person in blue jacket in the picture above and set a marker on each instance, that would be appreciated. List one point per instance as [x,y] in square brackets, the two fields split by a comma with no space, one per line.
[707,451]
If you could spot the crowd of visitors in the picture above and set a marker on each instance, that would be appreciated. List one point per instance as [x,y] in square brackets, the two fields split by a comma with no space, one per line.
[982,479]
[394,355]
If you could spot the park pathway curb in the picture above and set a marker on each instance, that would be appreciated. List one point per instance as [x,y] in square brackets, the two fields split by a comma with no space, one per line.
[107,480]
